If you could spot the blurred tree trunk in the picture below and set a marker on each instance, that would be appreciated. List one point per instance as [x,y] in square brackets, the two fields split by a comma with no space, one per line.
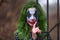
[9,13]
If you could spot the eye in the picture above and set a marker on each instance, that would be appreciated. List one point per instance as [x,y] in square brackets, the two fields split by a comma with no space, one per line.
[35,13]
[29,14]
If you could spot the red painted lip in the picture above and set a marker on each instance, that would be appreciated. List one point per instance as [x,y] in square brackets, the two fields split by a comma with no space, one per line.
[31,22]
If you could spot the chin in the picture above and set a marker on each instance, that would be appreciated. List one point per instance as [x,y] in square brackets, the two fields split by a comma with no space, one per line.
[31,25]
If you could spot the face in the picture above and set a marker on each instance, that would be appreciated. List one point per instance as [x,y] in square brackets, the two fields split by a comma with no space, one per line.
[32,16]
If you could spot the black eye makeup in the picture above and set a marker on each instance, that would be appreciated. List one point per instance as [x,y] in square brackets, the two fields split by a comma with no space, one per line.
[35,14]
[28,15]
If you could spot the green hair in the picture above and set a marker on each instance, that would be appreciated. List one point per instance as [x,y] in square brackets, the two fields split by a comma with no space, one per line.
[23,28]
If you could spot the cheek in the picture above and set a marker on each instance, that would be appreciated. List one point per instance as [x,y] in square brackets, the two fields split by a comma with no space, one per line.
[29,24]
[28,18]
[35,18]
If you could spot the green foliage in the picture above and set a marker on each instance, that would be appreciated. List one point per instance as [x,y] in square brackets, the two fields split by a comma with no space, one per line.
[23,28]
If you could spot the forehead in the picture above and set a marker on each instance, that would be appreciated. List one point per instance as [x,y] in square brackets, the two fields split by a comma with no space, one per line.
[32,10]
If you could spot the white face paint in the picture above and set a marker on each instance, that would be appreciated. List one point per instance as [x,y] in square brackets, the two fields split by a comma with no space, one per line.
[31,19]
[32,10]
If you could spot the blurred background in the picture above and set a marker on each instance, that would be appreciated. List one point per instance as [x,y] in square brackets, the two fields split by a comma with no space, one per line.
[9,14]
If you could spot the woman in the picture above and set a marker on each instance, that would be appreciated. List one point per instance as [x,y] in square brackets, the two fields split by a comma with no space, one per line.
[31,22]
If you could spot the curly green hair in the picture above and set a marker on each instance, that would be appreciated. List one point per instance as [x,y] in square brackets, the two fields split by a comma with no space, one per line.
[23,28]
